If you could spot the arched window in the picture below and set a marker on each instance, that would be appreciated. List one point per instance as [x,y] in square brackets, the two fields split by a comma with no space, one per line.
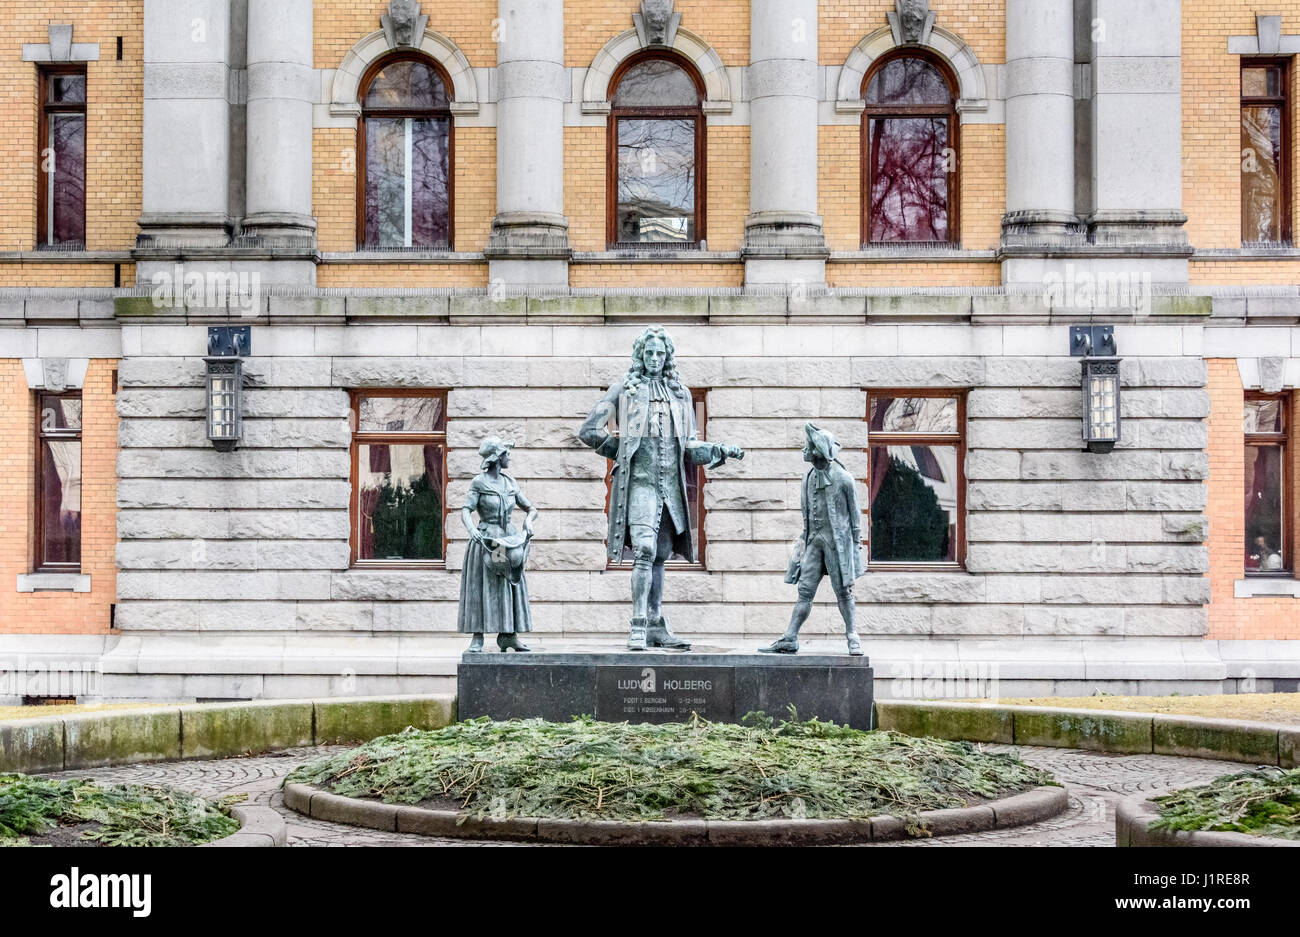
[656,153]
[405,151]
[909,151]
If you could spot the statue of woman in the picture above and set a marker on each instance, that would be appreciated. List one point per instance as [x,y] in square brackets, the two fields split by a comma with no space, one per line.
[493,592]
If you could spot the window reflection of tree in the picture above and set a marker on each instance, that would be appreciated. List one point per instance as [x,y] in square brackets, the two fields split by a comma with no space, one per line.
[656,122]
[407,105]
[909,128]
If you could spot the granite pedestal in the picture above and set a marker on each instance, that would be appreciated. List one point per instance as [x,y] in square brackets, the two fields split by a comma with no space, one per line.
[664,686]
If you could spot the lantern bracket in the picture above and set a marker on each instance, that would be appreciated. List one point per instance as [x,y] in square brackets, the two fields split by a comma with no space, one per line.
[1093,341]
[230,341]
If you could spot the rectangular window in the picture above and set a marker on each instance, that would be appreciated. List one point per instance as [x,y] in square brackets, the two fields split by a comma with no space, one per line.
[61,196]
[1265,152]
[695,479]
[58,483]
[917,453]
[399,471]
[1268,486]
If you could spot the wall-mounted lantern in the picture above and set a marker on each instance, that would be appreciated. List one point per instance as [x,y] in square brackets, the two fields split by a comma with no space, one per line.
[225,384]
[1101,384]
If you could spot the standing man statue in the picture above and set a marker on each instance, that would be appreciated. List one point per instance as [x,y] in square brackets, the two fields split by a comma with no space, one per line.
[831,542]
[655,445]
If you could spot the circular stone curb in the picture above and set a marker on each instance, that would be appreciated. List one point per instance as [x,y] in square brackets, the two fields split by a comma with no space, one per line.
[258,827]
[1041,803]
[1133,818]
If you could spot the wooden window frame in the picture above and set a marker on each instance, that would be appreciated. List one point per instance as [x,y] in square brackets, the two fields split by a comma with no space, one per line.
[866,150]
[1284,102]
[421,438]
[656,113]
[45,109]
[1284,441]
[957,439]
[395,112]
[700,398]
[38,525]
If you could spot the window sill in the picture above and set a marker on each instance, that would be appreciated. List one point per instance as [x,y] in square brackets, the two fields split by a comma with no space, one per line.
[920,252]
[54,582]
[402,256]
[1266,586]
[1249,252]
[380,566]
[655,255]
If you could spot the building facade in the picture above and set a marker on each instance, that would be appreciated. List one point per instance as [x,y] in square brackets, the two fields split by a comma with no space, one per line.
[440,222]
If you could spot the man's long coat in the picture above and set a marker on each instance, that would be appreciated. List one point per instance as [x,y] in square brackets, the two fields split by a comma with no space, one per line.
[631,410]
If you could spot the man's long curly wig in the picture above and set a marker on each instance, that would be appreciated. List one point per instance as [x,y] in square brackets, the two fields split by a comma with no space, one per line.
[636,374]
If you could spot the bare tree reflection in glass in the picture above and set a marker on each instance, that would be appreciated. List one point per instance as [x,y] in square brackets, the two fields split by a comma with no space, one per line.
[657,119]
[407,116]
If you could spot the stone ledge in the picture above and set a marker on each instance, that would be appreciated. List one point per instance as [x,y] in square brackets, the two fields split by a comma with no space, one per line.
[1095,730]
[1041,803]
[53,582]
[259,827]
[209,730]
[1134,816]
[1255,588]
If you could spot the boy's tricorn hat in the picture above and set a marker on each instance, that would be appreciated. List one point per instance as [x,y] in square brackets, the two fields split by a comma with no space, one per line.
[822,442]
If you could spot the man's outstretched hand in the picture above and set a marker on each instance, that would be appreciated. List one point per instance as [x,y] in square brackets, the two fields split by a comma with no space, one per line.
[723,453]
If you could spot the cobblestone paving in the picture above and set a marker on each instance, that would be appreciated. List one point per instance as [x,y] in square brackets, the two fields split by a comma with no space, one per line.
[1096,783]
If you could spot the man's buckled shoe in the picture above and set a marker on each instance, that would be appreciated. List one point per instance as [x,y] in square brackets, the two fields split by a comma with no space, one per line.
[782,645]
[636,635]
[660,635]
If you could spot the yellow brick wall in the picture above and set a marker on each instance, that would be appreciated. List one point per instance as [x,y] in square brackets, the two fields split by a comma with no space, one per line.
[913,274]
[845,23]
[58,612]
[728,186]
[62,274]
[589,24]
[339,24]
[584,187]
[401,275]
[334,187]
[1212,122]
[982,169]
[114,119]
[656,275]
[1258,618]
[1245,273]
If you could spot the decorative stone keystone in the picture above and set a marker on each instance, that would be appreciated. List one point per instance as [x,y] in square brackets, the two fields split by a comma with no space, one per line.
[403,24]
[656,24]
[912,21]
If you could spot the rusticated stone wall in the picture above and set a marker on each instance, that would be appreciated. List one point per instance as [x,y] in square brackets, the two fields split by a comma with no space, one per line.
[1064,546]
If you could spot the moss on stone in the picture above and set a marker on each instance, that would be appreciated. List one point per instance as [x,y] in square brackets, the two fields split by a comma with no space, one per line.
[945,721]
[1288,748]
[1251,744]
[31,745]
[244,728]
[122,738]
[134,306]
[360,720]
[1091,731]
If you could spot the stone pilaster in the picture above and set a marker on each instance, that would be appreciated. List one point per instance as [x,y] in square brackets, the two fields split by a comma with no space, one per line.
[1137,125]
[186,159]
[1040,125]
[530,234]
[783,232]
[279,128]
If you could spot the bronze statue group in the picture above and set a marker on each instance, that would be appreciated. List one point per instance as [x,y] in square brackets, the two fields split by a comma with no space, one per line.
[645,425]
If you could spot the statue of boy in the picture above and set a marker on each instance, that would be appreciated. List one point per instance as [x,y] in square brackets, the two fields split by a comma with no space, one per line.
[656,443]
[831,542]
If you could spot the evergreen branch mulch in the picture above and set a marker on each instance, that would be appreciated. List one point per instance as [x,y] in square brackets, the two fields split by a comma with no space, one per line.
[1263,802]
[116,815]
[616,771]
